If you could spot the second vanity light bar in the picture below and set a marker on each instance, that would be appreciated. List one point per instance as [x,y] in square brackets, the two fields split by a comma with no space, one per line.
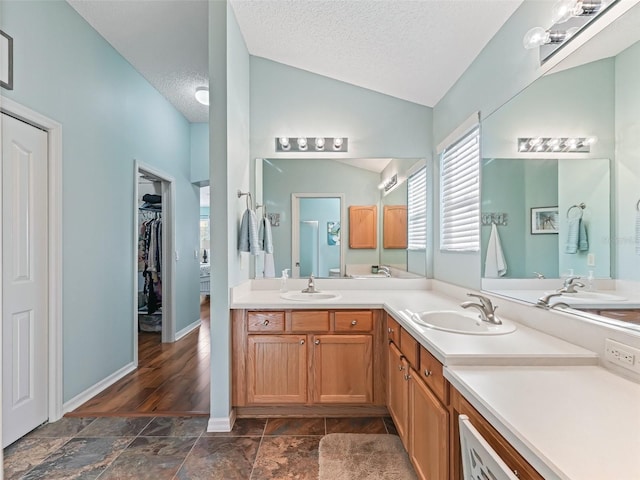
[312,144]
[556,144]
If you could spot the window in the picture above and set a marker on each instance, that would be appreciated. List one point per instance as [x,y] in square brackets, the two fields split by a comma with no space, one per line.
[460,194]
[417,210]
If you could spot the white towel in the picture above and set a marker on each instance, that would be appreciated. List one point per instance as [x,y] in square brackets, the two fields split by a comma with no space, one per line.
[638,232]
[494,265]
[248,241]
[269,267]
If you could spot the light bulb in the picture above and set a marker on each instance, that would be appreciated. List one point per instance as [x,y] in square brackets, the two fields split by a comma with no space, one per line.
[284,141]
[320,143]
[562,11]
[535,37]
[337,143]
[202,95]
[302,143]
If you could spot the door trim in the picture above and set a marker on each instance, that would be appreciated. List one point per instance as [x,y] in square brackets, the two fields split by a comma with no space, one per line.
[168,253]
[54,184]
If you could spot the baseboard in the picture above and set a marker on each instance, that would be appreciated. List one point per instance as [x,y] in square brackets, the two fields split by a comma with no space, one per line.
[94,390]
[187,329]
[222,424]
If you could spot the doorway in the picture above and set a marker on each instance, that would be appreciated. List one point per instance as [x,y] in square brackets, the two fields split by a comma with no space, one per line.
[154,263]
[31,280]
[316,246]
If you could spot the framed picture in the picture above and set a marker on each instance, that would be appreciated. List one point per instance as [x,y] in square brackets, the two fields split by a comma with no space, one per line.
[6,61]
[544,220]
[333,233]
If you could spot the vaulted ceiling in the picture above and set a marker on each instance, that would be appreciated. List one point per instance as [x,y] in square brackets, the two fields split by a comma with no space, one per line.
[410,49]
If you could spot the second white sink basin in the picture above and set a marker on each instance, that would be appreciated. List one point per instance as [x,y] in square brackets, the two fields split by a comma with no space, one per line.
[461,322]
[309,297]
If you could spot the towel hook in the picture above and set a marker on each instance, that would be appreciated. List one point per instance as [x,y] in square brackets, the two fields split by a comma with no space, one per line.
[581,206]
[249,199]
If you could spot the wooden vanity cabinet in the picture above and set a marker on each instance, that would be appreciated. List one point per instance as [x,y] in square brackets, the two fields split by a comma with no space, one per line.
[518,465]
[310,358]
[420,413]
[363,226]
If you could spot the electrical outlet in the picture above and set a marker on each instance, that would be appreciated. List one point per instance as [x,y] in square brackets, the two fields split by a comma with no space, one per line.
[621,354]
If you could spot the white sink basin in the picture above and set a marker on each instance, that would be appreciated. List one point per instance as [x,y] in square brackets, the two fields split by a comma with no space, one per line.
[370,275]
[309,297]
[591,296]
[459,322]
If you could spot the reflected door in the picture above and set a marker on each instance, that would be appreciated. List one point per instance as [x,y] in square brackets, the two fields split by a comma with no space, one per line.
[309,248]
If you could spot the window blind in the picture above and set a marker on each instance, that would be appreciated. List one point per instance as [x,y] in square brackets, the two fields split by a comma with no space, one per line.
[460,194]
[417,210]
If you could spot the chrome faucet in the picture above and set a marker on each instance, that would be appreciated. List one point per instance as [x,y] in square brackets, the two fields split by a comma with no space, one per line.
[486,308]
[570,285]
[539,275]
[311,286]
[543,302]
[385,270]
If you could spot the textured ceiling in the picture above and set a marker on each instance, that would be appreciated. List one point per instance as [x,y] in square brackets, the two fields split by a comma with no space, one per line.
[410,49]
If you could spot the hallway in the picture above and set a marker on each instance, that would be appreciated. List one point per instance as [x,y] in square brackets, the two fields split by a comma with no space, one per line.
[172,379]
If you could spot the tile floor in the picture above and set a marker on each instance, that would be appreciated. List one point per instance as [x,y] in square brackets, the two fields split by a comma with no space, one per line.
[160,448]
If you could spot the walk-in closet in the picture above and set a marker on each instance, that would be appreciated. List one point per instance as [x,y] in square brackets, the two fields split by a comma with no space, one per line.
[150,226]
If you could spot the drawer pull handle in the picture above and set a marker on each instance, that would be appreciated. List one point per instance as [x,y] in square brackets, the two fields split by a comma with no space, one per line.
[515,472]
[401,367]
[407,376]
[390,330]
[301,342]
[354,322]
[427,373]
[317,342]
[266,322]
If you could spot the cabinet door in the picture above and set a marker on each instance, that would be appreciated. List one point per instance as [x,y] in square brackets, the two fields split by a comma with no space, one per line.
[277,369]
[343,368]
[398,391]
[428,432]
[394,226]
[363,223]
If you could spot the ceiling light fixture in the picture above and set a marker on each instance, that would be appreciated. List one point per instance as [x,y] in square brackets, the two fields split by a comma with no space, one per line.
[312,144]
[202,95]
[556,144]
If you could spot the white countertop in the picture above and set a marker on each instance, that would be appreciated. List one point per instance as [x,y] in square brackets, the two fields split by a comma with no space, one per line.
[571,422]
[525,346]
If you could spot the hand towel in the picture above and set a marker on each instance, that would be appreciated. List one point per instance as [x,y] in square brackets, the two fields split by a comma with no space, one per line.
[576,236]
[638,232]
[495,265]
[265,236]
[269,267]
[248,241]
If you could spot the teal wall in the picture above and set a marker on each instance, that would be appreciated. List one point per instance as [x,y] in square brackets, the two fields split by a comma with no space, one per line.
[323,210]
[627,165]
[110,116]
[199,155]
[292,102]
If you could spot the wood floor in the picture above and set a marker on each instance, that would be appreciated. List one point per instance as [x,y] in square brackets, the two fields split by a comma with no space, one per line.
[172,379]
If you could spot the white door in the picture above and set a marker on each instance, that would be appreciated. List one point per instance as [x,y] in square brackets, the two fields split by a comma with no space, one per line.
[24,278]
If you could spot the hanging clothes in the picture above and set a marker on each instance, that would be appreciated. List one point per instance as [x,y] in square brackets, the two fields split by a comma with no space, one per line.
[150,261]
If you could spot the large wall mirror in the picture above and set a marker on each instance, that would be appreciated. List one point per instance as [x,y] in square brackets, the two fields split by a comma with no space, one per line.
[308,202]
[569,213]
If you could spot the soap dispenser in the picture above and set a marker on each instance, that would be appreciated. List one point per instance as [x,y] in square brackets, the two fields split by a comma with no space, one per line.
[283,280]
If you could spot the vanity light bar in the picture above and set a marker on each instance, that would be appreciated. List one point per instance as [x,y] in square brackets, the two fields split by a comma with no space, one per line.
[555,144]
[312,144]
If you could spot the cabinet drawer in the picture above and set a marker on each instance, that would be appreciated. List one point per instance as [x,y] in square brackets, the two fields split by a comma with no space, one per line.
[265,321]
[393,330]
[310,321]
[431,374]
[409,347]
[354,321]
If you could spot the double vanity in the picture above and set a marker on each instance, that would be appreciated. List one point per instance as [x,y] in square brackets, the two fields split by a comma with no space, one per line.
[546,406]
